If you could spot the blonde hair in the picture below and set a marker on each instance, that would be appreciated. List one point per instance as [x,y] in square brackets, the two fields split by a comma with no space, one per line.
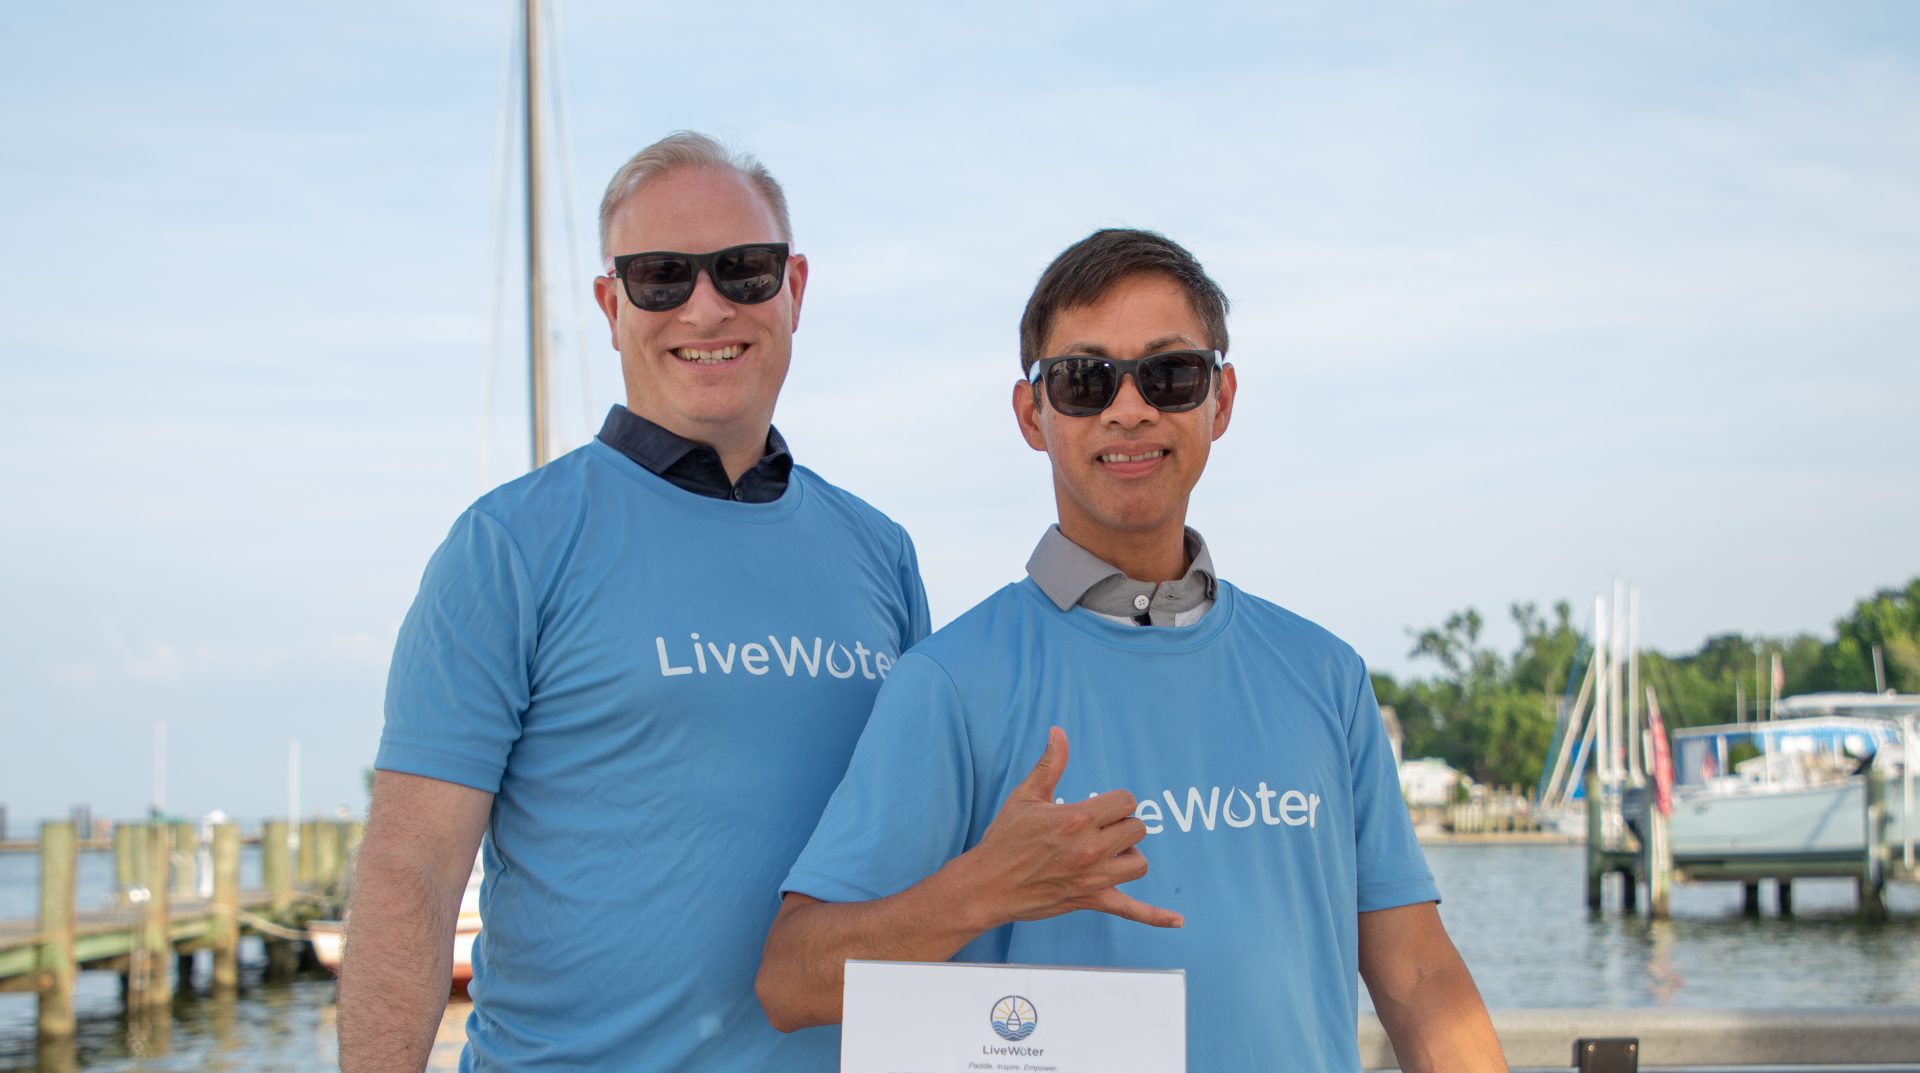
[689,149]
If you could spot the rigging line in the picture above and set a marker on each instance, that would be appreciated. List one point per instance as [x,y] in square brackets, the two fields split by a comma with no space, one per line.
[564,151]
[496,300]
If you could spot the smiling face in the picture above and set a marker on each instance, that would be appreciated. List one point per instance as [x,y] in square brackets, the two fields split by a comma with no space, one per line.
[709,370]
[1121,478]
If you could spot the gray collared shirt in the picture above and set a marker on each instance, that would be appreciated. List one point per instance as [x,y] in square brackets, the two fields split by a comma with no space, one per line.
[1070,574]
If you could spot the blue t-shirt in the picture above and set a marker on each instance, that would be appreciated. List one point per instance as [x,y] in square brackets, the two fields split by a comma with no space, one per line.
[1264,778]
[661,690]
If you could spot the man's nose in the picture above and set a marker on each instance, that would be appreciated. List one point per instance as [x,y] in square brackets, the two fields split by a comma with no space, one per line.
[1129,408]
[706,305]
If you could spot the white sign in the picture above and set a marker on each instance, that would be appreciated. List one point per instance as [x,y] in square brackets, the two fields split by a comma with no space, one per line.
[918,1017]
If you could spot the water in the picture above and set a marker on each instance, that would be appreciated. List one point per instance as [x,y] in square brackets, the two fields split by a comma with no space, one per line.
[1517,913]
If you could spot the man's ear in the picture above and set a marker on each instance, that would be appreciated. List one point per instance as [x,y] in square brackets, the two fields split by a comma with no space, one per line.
[1223,401]
[606,294]
[797,279]
[1026,412]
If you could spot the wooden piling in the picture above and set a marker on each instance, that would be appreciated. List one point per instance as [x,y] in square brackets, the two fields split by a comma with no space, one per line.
[345,842]
[126,871]
[1783,895]
[276,870]
[1871,884]
[1659,863]
[1750,898]
[186,859]
[326,851]
[1596,869]
[155,988]
[303,875]
[226,909]
[57,966]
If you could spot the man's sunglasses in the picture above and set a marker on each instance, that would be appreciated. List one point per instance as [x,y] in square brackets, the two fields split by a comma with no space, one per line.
[663,280]
[1081,385]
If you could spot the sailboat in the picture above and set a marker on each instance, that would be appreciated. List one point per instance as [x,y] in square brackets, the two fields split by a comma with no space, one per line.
[328,936]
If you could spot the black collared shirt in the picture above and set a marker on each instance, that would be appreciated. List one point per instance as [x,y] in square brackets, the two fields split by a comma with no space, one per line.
[695,466]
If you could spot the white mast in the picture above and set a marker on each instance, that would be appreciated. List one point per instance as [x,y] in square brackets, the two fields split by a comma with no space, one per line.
[1616,706]
[1602,756]
[536,306]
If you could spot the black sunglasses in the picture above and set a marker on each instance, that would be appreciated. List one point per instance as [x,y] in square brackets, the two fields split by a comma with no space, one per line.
[1081,385]
[663,280]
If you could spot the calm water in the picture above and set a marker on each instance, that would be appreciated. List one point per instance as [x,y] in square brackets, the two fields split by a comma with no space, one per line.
[1517,913]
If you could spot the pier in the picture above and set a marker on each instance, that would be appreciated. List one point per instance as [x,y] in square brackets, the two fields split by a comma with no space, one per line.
[158,917]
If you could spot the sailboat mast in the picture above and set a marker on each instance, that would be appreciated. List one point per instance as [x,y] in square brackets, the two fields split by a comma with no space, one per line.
[536,307]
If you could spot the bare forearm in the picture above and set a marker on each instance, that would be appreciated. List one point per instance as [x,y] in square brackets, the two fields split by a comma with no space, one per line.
[1440,1023]
[422,835]
[398,964]
[803,969]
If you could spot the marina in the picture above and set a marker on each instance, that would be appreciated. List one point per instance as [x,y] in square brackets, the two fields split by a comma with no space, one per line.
[169,902]
[1514,910]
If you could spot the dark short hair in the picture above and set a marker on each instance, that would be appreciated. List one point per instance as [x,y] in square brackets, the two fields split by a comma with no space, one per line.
[1085,271]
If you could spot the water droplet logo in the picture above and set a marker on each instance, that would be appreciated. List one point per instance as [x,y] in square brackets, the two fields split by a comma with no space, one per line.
[1014,1019]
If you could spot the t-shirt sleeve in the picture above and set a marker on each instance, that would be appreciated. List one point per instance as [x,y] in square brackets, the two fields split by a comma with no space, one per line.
[918,623]
[1390,870]
[460,682]
[905,805]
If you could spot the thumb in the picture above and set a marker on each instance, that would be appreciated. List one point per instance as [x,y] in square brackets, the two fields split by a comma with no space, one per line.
[1045,776]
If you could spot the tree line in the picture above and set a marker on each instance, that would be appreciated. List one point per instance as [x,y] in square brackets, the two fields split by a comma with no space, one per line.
[1492,715]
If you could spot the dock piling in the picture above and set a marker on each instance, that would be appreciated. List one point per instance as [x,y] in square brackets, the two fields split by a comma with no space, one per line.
[154,956]
[1871,885]
[186,859]
[309,851]
[276,870]
[1659,864]
[226,909]
[326,851]
[126,859]
[1596,865]
[57,918]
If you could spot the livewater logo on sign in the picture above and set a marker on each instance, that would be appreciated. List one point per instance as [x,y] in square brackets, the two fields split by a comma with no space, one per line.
[1014,1019]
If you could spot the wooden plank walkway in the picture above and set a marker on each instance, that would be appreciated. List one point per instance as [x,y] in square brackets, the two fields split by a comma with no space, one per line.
[104,938]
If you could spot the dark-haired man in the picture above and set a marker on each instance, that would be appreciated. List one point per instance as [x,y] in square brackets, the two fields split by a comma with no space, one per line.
[640,670]
[1235,743]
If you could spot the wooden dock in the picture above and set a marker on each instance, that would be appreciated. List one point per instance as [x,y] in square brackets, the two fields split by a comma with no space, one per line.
[156,918]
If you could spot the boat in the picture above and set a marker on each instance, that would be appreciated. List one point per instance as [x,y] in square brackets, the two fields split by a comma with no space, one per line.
[1792,791]
[329,936]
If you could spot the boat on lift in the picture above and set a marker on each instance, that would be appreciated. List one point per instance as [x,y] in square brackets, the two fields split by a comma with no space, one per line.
[1792,790]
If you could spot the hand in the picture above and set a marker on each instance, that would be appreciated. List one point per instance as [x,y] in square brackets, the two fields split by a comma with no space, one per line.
[1041,860]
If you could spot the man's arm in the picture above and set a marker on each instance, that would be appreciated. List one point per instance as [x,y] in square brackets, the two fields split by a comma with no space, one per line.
[1036,860]
[1423,993]
[413,865]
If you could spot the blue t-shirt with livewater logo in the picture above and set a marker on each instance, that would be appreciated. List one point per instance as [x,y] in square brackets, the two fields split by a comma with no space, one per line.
[1264,777]
[661,690]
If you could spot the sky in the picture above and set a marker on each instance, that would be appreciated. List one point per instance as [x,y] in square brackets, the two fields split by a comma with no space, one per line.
[1526,298]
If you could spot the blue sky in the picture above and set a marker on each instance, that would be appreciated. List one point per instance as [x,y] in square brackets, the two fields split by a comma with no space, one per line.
[1527,297]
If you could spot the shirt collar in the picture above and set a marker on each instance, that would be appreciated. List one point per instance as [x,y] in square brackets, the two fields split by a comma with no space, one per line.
[1069,574]
[695,466]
